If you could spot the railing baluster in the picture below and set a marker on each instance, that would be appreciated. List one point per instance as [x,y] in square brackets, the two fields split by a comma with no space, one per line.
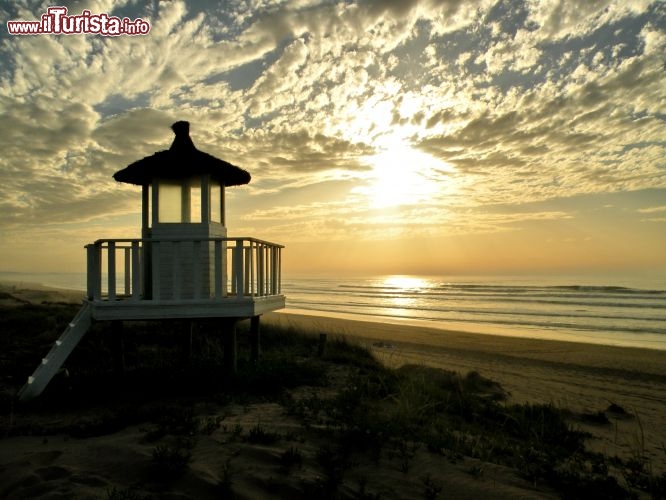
[264,256]
[260,269]
[220,265]
[98,272]
[127,271]
[279,289]
[273,275]
[237,268]
[267,270]
[253,260]
[246,268]
[92,272]
[157,289]
[111,270]
[251,268]
[136,271]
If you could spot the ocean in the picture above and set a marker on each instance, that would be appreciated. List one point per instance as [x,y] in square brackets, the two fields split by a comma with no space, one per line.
[603,310]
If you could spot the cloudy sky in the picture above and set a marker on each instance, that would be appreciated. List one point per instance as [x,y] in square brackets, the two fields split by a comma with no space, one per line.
[392,136]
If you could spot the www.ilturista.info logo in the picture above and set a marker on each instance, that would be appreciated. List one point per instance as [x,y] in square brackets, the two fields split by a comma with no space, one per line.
[57,22]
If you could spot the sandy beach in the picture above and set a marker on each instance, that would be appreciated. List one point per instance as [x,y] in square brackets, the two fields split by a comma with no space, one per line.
[583,378]
[17,292]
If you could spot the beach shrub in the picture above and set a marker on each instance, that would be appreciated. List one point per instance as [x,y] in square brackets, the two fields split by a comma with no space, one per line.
[276,373]
[171,460]
[334,462]
[278,339]
[431,487]
[209,424]
[595,418]
[342,351]
[131,493]
[291,457]
[225,484]
[259,435]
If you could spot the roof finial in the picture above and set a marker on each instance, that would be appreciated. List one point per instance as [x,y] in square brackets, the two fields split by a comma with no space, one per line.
[182,140]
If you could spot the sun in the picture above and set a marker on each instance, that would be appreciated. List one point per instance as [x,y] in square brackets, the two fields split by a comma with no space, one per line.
[402,175]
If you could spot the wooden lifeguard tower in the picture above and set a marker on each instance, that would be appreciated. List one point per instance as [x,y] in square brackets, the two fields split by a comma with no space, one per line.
[184,266]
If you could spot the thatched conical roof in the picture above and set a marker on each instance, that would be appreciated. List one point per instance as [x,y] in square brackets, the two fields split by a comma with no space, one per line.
[181,161]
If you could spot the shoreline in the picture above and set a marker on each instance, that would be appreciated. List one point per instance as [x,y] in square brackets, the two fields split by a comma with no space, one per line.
[641,341]
[37,293]
[619,358]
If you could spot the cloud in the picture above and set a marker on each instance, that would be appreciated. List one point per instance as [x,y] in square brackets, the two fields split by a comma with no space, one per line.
[652,210]
[558,19]
[525,101]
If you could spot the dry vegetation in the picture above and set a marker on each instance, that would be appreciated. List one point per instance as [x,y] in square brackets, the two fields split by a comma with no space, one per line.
[296,425]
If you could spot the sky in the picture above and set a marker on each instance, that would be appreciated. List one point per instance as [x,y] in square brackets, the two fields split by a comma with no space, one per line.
[393,137]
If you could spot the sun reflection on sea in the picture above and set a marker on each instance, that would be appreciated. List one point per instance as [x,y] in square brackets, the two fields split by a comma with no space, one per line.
[405,283]
[402,290]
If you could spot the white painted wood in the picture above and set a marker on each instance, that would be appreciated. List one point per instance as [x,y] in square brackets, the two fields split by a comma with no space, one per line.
[92,271]
[198,269]
[188,270]
[185,202]
[260,269]
[111,270]
[237,268]
[157,282]
[136,271]
[58,354]
[253,289]
[176,266]
[205,199]
[97,258]
[247,261]
[279,290]
[220,264]
[273,252]
[222,206]
[230,307]
[145,208]
[155,208]
[128,274]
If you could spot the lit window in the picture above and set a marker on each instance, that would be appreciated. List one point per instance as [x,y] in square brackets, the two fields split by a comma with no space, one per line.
[170,202]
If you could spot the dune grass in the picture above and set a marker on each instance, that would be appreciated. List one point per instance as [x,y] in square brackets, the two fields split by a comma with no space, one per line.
[374,413]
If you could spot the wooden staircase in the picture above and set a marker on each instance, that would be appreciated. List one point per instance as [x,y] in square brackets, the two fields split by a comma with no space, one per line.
[58,354]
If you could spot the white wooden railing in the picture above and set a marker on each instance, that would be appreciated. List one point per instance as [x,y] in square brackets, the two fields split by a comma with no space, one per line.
[183,269]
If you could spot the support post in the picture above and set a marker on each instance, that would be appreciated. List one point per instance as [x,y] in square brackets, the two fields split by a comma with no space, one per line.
[230,348]
[255,339]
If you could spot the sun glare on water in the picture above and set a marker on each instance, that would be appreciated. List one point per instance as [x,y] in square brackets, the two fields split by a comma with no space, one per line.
[404,282]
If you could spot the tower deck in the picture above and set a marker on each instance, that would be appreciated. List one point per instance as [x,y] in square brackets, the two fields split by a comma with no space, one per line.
[146,278]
